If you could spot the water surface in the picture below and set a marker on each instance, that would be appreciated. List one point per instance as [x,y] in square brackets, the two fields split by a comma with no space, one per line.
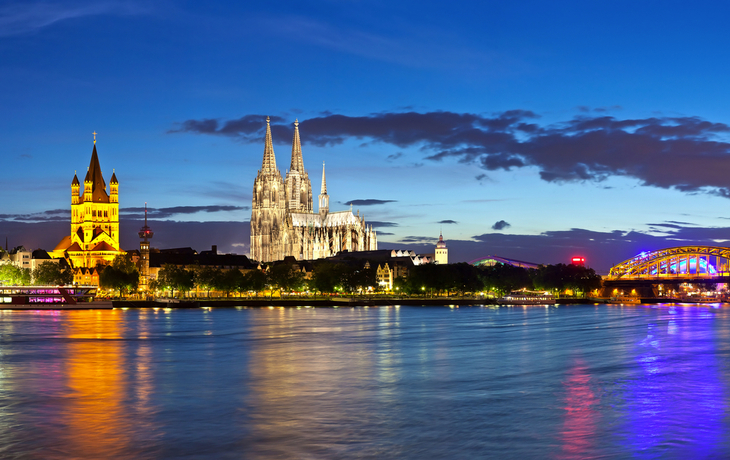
[389,382]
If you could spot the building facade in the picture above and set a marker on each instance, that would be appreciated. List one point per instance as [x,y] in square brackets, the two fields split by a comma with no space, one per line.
[384,277]
[283,221]
[94,238]
[441,255]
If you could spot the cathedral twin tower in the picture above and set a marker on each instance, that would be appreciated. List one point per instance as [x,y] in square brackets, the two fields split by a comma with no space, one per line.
[283,221]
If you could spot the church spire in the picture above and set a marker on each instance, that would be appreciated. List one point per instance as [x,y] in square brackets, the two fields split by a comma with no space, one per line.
[269,163]
[95,180]
[297,163]
[324,182]
[324,200]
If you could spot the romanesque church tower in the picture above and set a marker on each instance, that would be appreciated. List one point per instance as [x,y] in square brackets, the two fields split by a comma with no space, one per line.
[268,208]
[94,238]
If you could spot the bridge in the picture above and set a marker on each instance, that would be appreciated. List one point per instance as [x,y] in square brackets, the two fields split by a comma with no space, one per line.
[644,274]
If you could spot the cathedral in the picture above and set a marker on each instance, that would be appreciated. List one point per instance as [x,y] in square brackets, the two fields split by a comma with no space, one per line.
[94,237]
[283,221]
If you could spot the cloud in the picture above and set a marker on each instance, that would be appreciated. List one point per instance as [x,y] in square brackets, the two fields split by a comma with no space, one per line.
[162,213]
[448,221]
[688,154]
[64,215]
[381,224]
[394,156]
[52,215]
[27,17]
[501,225]
[419,240]
[368,202]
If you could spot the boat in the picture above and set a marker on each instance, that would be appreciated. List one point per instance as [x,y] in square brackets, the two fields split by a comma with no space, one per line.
[626,300]
[525,297]
[72,297]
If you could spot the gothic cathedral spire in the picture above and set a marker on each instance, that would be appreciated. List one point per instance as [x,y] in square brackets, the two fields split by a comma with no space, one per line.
[297,163]
[298,186]
[268,210]
[269,163]
[324,200]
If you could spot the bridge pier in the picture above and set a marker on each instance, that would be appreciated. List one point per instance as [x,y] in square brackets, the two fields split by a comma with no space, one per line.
[619,288]
[649,287]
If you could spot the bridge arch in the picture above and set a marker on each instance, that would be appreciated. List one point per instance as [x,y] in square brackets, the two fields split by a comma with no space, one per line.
[687,261]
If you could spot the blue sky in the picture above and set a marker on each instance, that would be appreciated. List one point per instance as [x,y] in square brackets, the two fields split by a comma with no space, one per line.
[531,130]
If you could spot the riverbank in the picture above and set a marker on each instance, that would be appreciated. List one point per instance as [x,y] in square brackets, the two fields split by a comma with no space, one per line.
[328,302]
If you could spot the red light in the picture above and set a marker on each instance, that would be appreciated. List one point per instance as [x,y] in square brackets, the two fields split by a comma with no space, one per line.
[578,260]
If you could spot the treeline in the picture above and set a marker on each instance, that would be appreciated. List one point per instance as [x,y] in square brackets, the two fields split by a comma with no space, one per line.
[122,276]
[347,278]
[499,279]
[279,279]
[46,274]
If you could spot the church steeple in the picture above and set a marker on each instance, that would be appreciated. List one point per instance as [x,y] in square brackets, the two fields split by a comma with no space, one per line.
[324,182]
[75,190]
[298,186]
[268,207]
[269,163]
[297,163]
[324,200]
[94,183]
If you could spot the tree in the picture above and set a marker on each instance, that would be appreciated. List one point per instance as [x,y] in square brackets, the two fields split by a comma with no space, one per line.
[121,275]
[232,280]
[12,275]
[254,280]
[52,274]
[206,278]
[356,279]
[466,277]
[560,277]
[504,278]
[285,277]
[326,277]
[175,278]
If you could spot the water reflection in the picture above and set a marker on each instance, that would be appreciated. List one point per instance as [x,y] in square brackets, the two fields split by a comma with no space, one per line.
[95,418]
[306,373]
[677,402]
[581,417]
[568,382]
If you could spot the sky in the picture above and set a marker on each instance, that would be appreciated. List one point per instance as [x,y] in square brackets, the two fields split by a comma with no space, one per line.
[530,130]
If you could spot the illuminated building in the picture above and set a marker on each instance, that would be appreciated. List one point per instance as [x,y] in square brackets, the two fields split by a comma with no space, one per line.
[442,252]
[490,261]
[384,276]
[283,221]
[145,233]
[579,261]
[94,238]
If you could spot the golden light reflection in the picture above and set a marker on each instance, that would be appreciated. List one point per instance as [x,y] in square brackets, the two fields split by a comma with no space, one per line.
[305,375]
[96,420]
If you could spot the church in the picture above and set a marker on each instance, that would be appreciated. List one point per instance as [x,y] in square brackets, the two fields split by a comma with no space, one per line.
[283,221]
[94,237]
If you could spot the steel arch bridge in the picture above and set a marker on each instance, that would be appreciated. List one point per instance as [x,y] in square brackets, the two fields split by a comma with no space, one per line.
[685,262]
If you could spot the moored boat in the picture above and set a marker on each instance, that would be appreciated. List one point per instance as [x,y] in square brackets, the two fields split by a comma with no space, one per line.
[50,298]
[525,297]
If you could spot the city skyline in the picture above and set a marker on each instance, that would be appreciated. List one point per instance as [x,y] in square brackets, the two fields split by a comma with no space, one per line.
[530,131]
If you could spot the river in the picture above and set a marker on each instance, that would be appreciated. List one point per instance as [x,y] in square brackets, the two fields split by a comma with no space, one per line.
[562,382]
